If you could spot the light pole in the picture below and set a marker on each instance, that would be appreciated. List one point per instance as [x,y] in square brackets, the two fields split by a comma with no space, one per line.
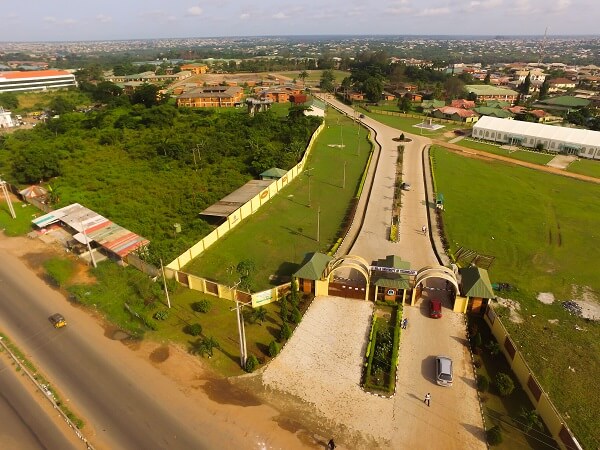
[87,241]
[162,269]
[7,197]
[344,183]
[319,224]
[240,324]
[309,175]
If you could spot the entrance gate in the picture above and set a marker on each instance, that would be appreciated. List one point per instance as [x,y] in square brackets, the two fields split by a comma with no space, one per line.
[347,289]
[342,287]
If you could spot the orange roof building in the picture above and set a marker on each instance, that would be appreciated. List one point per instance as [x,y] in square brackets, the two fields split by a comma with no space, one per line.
[36,80]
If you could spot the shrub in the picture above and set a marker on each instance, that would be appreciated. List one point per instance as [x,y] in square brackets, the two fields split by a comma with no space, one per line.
[295,315]
[161,315]
[493,347]
[194,329]
[402,137]
[504,384]
[285,333]
[273,349]
[251,364]
[284,310]
[477,340]
[203,306]
[483,383]
[60,270]
[494,435]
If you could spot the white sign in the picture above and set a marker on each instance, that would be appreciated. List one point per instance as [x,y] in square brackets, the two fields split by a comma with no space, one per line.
[394,270]
[262,298]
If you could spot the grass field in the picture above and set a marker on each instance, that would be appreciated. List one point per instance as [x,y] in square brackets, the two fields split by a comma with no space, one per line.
[22,224]
[585,167]
[314,76]
[280,233]
[407,124]
[220,323]
[541,228]
[37,101]
[522,155]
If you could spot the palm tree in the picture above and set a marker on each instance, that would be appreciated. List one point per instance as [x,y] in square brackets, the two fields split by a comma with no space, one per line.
[529,419]
[303,76]
[260,315]
[204,346]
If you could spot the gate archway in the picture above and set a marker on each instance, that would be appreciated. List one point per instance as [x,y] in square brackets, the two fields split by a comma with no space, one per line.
[438,272]
[345,287]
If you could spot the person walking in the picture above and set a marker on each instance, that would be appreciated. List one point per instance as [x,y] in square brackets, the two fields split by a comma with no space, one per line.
[427,399]
[404,323]
[331,444]
[424,229]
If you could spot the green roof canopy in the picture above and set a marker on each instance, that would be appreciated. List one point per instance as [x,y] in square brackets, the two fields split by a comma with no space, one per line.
[484,90]
[476,282]
[389,279]
[314,267]
[566,100]
[273,172]
[494,112]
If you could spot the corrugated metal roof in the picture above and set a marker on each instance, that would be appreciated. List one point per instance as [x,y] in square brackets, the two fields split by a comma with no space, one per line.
[313,269]
[97,228]
[231,202]
[538,130]
[475,282]
[34,74]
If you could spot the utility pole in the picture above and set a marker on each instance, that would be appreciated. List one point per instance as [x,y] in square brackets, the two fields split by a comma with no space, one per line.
[7,197]
[240,323]
[309,175]
[319,224]
[344,183]
[162,269]
[87,241]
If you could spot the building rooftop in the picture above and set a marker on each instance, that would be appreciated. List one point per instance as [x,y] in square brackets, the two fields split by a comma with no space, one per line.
[484,90]
[33,74]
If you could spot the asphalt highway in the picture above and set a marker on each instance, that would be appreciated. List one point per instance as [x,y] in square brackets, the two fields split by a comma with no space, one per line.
[124,405]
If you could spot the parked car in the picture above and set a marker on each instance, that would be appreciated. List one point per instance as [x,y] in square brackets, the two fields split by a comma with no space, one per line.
[443,371]
[435,309]
[57,320]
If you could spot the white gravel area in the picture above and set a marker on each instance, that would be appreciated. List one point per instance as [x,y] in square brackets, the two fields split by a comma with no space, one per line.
[322,362]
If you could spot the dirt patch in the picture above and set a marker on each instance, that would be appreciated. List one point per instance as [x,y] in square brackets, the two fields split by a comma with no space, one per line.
[553,321]
[547,298]
[160,354]
[514,309]
[588,300]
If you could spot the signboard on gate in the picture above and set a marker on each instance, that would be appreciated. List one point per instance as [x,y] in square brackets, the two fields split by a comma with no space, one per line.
[394,270]
[263,298]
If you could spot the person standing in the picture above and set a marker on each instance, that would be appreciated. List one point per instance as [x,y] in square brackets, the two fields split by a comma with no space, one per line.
[427,399]
[331,444]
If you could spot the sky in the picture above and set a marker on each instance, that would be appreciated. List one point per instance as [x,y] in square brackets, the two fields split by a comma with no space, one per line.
[70,20]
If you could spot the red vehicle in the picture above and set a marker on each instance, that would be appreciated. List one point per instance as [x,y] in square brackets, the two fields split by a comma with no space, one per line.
[435,309]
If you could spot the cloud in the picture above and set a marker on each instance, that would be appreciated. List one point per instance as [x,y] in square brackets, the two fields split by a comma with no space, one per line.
[244,16]
[400,7]
[434,12]
[69,22]
[195,11]
[50,19]
[355,11]
[485,4]
[280,15]
[102,18]
[561,6]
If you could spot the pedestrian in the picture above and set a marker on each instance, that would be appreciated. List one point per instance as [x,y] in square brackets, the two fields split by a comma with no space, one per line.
[404,323]
[331,444]
[427,399]
[424,229]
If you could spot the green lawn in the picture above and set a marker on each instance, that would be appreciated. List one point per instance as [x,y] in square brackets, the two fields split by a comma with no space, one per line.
[522,155]
[220,323]
[540,227]
[585,167]
[22,224]
[407,124]
[314,76]
[278,236]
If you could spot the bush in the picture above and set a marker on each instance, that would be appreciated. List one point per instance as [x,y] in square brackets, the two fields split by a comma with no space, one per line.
[285,333]
[203,306]
[194,329]
[161,315]
[483,383]
[494,435]
[476,341]
[504,384]
[274,349]
[295,315]
[284,309]
[251,364]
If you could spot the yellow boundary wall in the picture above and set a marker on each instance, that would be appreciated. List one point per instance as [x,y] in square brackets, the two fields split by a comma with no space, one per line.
[246,210]
[540,399]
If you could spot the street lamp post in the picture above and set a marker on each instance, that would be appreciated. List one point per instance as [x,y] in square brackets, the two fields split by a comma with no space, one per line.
[309,175]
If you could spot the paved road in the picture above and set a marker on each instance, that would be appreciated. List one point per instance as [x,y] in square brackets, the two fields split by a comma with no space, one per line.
[454,420]
[119,404]
[24,422]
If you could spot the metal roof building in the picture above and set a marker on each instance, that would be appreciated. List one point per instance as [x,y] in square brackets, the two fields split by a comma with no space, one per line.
[35,80]
[95,227]
[573,141]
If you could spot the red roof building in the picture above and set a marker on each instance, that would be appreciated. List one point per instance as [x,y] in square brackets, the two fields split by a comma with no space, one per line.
[36,80]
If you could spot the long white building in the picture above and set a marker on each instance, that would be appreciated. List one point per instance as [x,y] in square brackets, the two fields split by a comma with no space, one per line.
[36,80]
[555,139]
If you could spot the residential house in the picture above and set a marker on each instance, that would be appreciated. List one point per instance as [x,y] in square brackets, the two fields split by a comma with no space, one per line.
[484,93]
[561,84]
[456,114]
[462,103]
[212,96]
[388,96]
[534,75]
[493,112]
[195,68]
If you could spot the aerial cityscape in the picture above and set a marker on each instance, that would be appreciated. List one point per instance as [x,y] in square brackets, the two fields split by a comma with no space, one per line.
[316,225]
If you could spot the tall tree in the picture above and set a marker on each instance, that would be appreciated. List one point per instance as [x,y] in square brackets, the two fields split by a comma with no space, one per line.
[544,88]
[487,78]
[303,76]
[373,89]
[525,85]
[327,79]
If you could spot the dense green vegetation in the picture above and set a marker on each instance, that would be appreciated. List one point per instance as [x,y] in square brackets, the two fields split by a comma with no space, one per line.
[150,167]
[277,237]
[540,227]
